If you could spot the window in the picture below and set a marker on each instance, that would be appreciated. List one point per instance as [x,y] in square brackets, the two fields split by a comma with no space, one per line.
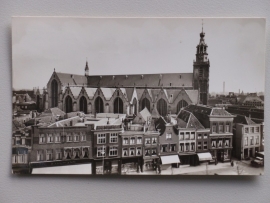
[125,152]
[63,137]
[172,147]
[246,130]
[147,152]
[125,140]
[213,144]
[163,148]
[168,136]
[187,136]
[139,140]
[252,129]
[192,135]
[205,145]
[256,129]
[199,145]
[257,140]
[246,141]
[187,147]
[101,151]
[83,137]
[219,143]
[139,151]
[181,147]
[85,152]
[251,140]
[192,148]
[214,128]
[154,151]
[199,136]
[23,141]
[49,155]
[221,127]
[101,139]
[181,136]
[41,139]
[132,151]
[50,138]
[113,138]
[132,140]
[227,127]
[58,154]
[57,138]
[162,107]
[69,137]
[39,155]
[205,136]
[76,138]
[147,141]
[154,140]
[227,143]
[113,151]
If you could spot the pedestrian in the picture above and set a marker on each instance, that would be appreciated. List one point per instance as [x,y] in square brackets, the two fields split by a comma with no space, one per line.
[232,164]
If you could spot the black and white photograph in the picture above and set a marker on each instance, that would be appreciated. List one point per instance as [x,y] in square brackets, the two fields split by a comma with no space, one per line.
[138,96]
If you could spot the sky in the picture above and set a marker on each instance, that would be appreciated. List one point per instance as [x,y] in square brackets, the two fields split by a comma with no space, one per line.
[112,46]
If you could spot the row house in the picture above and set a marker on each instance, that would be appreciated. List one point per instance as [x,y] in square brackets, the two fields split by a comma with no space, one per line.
[132,151]
[21,147]
[220,125]
[60,146]
[107,147]
[247,138]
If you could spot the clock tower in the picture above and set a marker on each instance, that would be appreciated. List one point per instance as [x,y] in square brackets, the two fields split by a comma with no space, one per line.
[201,70]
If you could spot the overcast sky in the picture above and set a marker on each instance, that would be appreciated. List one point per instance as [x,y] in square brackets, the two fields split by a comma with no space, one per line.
[236,48]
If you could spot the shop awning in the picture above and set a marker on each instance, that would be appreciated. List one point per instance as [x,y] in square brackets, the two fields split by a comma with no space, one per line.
[172,159]
[205,156]
[81,169]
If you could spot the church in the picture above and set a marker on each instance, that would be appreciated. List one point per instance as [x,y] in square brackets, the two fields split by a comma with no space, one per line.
[161,94]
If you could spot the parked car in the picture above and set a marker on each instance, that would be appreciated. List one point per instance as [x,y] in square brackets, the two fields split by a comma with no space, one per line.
[257,162]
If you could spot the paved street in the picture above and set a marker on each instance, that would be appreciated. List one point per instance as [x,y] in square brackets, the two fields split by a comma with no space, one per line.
[239,168]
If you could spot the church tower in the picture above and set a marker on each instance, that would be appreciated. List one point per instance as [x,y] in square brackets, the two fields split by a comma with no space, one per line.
[201,70]
[86,69]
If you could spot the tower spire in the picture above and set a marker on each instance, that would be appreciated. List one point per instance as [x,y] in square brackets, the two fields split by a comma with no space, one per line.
[86,68]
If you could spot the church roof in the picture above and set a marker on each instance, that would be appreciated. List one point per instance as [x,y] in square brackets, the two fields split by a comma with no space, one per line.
[107,92]
[193,95]
[71,79]
[75,91]
[145,80]
[90,92]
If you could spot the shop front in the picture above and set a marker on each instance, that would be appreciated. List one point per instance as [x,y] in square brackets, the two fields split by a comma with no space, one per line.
[167,162]
[150,164]
[131,165]
[221,155]
[188,159]
[107,166]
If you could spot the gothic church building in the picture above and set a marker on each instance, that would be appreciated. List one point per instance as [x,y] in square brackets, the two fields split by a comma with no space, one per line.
[161,94]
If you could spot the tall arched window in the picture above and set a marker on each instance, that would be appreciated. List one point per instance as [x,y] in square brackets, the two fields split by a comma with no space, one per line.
[135,105]
[118,105]
[146,103]
[68,104]
[54,91]
[83,105]
[162,107]
[181,104]
[99,106]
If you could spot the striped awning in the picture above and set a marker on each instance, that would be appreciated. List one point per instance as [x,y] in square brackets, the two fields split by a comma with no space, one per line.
[172,159]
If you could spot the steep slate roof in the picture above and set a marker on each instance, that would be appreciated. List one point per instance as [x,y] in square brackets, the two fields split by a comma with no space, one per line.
[108,92]
[90,92]
[243,120]
[52,112]
[186,119]
[71,79]
[193,95]
[75,91]
[145,80]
